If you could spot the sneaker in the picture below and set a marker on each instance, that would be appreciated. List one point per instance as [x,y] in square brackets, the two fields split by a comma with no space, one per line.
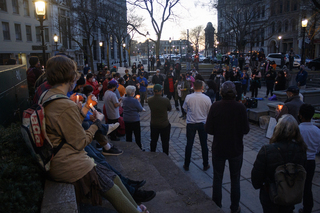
[136,184]
[98,147]
[205,168]
[186,168]
[181,116]
[112,127]
[143,196]
[112,151]
[177,108]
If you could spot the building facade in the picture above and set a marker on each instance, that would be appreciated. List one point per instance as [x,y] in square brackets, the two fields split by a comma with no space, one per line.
[20,37]
[273,25]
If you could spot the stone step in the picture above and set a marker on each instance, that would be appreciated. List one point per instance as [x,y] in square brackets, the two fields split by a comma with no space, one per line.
[176,192]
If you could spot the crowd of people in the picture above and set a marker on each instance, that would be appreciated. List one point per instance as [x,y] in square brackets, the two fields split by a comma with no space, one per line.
[209,107]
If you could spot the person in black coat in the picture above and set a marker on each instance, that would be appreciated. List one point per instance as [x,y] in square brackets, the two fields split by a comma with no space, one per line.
[281,81]
[158,63]
[134,68]
[270,79]
[286,146]
[169,89]
[166,66]
[157,78]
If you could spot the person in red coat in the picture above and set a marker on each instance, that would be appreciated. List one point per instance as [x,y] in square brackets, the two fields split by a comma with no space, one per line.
[92,81]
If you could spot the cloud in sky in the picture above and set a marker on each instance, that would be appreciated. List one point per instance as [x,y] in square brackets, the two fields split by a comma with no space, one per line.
[189,14]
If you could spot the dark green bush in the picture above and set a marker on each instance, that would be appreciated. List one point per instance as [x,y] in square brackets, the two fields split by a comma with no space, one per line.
[21,180]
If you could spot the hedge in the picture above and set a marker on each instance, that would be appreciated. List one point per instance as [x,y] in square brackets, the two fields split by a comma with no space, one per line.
[21,180]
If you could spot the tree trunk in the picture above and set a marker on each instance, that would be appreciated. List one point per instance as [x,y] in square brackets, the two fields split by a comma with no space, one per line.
[91,59]
[120,53]
[158,47]
[108,60]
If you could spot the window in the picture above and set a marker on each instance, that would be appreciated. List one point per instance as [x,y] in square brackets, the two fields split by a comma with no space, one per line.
[6,30]
[26,7]
[38,34]
[258,13]
[293,25]
[286,26]
[46,34]
[15,6]
[295,6]
[28,33]
[279,27]
[3,5]
[280,6]
[262,11]
[273,28]
[288,6]
[17,28]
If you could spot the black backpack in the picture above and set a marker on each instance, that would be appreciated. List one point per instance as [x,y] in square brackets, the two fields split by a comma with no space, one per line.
[288,187]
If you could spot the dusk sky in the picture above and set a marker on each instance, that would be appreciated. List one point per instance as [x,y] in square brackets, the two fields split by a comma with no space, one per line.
[189,15]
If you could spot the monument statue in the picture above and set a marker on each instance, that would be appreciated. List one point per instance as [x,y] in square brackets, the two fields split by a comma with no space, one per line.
[209,39]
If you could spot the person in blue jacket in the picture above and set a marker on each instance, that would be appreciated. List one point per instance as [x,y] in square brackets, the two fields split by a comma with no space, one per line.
[301,78]
[143,83]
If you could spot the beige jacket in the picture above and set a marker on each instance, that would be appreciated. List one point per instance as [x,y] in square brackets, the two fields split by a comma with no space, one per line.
[63,120]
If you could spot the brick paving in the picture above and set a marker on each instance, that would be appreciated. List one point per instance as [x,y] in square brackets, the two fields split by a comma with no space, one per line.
[253,141]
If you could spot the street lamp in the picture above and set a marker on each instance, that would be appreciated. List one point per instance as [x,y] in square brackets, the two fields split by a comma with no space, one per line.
[101,45]
[170,48]
[55,39]
[124,50]
[41,12]
[304,24]
[148,36]
[279,38]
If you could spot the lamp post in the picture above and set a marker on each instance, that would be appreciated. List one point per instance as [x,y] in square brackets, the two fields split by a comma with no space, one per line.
[148,36]
[304,24]
[55,39]
[180,51]
[170,48]
[279,38]
[101,45]
[41,12]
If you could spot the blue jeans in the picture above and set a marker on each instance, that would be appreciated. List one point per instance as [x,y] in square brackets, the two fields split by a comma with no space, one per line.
[191,133]
[235,165]
[188,66]
[99,158]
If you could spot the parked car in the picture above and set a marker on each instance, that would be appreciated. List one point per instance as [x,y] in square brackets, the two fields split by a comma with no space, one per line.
[276,57]
[201,59]
[314,64]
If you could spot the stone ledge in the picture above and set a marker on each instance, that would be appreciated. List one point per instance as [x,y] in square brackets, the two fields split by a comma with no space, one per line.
[59,198]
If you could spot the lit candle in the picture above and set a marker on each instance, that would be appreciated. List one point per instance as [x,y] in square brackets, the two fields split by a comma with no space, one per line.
[280,107]
[93,109]
[77,98]
[137,96]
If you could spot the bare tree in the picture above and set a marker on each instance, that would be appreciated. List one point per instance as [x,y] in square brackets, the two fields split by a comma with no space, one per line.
[155,7]
[84,25]
[196,36]
[245,22]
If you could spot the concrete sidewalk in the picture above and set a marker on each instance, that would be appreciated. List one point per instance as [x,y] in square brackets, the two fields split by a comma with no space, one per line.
[252,143]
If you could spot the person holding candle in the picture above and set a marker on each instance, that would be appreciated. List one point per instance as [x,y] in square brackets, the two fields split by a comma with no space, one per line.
[72,164]
[143,87]
[292,104]
[92,81]
[286,146]
[112,104]
[131,117]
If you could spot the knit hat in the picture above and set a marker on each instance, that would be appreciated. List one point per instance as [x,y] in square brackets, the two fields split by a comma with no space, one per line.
[228,87]
[157,88]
